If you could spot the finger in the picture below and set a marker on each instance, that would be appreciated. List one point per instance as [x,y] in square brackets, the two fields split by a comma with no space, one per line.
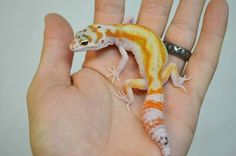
[109,12]
[56,57]
[154,14]
[183,28]
[203,62]
[106,12]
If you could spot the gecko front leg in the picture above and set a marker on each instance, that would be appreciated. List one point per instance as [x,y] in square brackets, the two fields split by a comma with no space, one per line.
[115,71]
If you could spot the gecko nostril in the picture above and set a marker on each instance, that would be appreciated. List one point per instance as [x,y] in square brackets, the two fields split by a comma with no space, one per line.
[71,47]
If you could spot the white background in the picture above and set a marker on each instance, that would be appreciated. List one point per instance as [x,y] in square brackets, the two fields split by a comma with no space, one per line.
[21,28]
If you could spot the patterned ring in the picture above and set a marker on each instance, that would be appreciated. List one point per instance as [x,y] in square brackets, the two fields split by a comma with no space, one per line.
[178,51]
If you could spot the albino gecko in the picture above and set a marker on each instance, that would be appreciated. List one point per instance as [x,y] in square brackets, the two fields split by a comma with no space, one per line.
[151,56]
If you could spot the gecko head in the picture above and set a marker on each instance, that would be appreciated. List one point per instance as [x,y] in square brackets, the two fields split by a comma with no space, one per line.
[92,37]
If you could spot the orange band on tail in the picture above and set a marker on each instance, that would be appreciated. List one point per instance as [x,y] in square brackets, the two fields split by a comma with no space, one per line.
[154,104]
[149,125]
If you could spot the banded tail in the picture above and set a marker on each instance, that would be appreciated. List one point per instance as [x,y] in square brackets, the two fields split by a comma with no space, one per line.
[153,119]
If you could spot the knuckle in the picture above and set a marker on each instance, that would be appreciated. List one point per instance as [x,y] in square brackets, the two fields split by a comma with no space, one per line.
[205,60]
[193,2]
[110,7]
[213,34]
[152,6]
[183,25]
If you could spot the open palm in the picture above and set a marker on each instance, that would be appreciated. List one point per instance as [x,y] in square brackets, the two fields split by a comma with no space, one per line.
[79,114]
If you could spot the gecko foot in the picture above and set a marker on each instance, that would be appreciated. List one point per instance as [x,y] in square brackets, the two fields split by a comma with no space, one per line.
[180,81]
[125,98]
[129,20]
[114,73]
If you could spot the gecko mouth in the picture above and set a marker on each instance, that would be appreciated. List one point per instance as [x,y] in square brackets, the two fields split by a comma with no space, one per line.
[80,49]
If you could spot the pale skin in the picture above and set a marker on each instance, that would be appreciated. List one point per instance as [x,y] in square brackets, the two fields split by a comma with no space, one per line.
[79,114]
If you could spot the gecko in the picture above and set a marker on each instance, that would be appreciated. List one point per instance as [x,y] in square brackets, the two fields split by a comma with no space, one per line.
[151,56]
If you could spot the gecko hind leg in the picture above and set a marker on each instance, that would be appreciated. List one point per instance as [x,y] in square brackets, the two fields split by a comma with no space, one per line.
[172,71]
[128,95]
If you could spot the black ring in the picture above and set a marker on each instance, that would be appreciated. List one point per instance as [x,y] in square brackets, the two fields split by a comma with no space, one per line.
[178,51]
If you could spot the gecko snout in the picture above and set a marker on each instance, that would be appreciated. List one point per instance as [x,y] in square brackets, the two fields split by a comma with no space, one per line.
[74,45]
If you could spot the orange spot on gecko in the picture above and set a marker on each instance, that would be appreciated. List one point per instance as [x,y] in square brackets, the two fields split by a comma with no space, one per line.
[95,30]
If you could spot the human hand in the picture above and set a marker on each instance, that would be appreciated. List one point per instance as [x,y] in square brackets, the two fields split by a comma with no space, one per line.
[80,115]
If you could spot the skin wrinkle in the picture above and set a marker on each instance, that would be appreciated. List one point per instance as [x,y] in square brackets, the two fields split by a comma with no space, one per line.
[151,6]
[181,24]
[42,93]
[101,76]
[177,119]
[111,7]
[214,34]
[193,2]
[205,59]
[53,38]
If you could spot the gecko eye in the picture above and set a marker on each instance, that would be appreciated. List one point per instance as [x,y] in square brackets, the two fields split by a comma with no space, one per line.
[84,43]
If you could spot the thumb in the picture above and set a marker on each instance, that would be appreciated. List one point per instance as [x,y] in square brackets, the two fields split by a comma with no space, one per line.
[56,58]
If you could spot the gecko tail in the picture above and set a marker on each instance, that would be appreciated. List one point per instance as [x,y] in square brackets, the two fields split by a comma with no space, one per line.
[153,119]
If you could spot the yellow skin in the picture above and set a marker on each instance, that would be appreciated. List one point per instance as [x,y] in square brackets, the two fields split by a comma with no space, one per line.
[61,119]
